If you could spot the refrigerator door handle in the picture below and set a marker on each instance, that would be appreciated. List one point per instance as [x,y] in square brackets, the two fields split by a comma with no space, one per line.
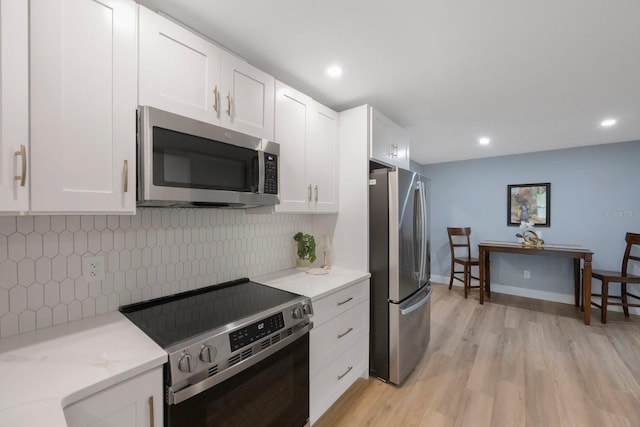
[417,225]
[425,230]
[414,307]
[419,218]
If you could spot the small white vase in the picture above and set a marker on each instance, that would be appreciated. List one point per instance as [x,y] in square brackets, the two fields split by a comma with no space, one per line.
[303,264]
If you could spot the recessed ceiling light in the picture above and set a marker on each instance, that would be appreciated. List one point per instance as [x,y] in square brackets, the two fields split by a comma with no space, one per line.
[334,71]
[484,141]
[608,122]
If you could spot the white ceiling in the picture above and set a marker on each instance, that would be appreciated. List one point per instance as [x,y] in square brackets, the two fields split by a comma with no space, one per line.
[531,75]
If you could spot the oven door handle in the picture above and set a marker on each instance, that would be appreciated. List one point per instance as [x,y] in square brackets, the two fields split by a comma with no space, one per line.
[175,397]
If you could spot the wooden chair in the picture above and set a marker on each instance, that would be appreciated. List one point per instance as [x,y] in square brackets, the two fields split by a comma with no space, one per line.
[623,277]
[460,246]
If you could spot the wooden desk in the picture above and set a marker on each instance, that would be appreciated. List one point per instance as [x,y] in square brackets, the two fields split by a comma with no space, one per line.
[575,252]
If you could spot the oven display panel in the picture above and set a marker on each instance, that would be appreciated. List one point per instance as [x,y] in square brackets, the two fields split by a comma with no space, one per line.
[256,331]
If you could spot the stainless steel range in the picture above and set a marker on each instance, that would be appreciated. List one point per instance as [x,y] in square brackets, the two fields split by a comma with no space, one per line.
[238,354]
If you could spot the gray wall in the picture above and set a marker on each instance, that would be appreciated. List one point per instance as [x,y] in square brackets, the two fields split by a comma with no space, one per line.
[595,199]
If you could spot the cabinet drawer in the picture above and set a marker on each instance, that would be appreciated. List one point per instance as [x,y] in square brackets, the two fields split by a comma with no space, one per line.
[328,384]
[337,335]
[334,304]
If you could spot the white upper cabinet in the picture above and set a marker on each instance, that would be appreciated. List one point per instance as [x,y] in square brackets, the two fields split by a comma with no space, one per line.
[247,98]
[179,71]
[322,158]
[14,111]
[293,114]
[388,143]
[308,136]
[83,102]
[185,74]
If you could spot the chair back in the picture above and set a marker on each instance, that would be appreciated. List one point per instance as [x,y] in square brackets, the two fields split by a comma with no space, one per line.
[632,240]
[459,238]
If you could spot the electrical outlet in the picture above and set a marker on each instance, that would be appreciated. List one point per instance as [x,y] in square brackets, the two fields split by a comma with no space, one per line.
[527,274]
[93,268]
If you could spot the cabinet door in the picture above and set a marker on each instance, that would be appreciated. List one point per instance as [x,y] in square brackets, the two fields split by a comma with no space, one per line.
[14,111]
[83,103]
[293,113]
[388,142]
[179,71]
[401,146]
[247,98]
[380,137]
[322,159]
[133,403]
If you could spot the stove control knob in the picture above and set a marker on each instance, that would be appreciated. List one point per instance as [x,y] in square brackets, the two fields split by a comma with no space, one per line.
[306,309]
[297,313]
[208,353]
[187,363]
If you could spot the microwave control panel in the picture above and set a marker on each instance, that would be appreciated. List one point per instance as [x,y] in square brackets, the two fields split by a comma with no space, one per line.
[270,173]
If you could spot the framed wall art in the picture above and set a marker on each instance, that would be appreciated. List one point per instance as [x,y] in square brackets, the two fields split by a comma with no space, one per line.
[529,202]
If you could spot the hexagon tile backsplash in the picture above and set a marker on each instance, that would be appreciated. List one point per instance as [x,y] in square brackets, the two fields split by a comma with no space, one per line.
[155,253]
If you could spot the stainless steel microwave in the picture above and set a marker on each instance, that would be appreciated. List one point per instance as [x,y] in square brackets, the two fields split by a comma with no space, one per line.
[187,163]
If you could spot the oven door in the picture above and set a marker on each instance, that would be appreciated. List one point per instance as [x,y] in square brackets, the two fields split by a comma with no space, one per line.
[273,392]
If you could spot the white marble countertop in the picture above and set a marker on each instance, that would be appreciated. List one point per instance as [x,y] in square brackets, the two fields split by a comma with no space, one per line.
[313,286]
[44,371]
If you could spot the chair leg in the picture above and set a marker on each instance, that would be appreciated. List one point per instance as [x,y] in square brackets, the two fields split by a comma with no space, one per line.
[623,294]
[452,270]
[605,298]
[466,280]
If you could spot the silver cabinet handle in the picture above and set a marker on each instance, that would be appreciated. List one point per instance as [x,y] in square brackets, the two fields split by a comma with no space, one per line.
[152,421]
[125,172]
[229,99]
[216,97]
[345,301]
[345,333]
[343,375]
[23,176]
[309,193]
[316,194]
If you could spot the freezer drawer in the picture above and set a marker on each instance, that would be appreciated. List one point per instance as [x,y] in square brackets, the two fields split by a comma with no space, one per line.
[409,333]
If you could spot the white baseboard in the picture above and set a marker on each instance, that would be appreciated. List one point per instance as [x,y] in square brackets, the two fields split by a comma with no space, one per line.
[530,293]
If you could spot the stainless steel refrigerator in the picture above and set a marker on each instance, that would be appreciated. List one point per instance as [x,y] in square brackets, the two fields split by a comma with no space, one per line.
[399,261]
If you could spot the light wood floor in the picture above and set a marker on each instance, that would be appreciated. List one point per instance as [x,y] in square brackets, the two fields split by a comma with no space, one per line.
[512,362]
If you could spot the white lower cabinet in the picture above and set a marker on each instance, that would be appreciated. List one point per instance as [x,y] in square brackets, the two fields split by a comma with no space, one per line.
[136,402]
[339,345]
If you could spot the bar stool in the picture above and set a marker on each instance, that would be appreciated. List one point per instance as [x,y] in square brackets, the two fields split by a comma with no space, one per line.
[460,247]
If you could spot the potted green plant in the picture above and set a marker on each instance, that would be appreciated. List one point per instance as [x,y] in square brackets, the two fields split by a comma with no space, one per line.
[306,249]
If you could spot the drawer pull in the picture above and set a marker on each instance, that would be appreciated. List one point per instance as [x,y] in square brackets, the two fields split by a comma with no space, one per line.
[345,333]
[343,375]
[345,301]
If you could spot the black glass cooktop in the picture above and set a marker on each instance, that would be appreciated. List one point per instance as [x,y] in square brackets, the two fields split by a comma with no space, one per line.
[169,320]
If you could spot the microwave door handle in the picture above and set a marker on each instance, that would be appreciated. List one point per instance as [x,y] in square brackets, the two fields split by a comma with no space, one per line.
[261,172]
